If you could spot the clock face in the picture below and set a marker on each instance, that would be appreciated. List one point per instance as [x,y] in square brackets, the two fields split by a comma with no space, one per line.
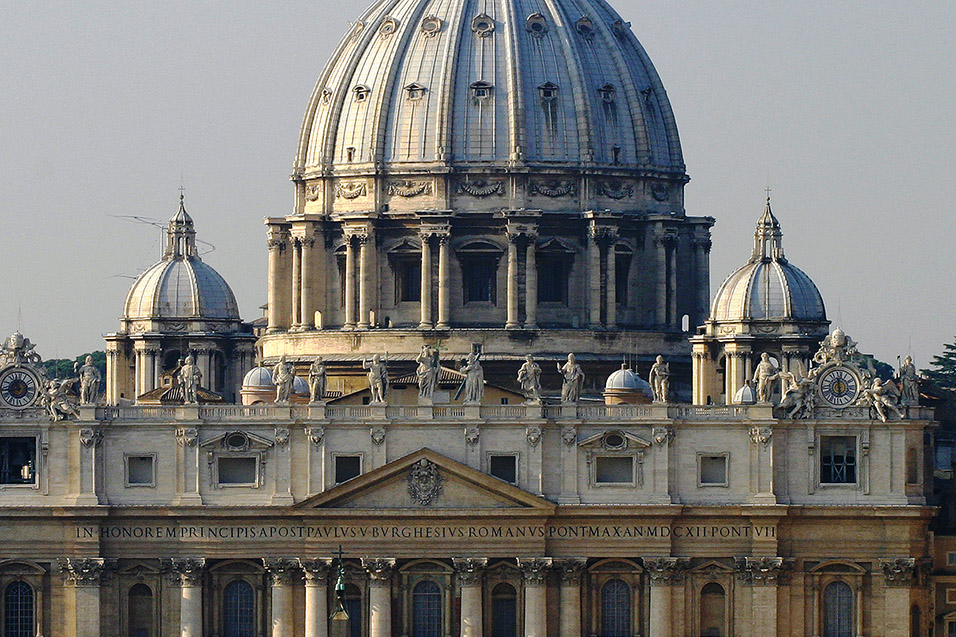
[18,388]
[839,387]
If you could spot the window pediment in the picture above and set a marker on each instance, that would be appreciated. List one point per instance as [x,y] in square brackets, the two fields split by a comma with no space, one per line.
[237,441]
[614,440]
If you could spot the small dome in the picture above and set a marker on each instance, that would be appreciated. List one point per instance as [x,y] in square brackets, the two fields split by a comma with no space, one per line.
[627,380]
[746,395]
[300,386]
[258,377]
[181,286]
[768,287]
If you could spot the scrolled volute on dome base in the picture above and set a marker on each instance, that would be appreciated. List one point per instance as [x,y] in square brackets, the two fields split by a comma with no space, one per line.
[424,482]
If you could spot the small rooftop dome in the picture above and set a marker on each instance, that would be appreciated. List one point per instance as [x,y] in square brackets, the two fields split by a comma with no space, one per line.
[768,287]
[625,386]
[181,286]
[258,377]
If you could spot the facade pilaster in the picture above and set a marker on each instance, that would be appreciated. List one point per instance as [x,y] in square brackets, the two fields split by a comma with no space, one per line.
[284,573]
[762,574]
[571,570]
[90,439]
[379,595]
[535,573]
[899,574]
[443,282]
[470,577]
[316,595]
[83,576]
[664,573]
[188,574]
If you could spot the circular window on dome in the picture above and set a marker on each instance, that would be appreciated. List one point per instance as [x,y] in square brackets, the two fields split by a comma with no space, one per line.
[620,28]
[360,93]
[483,25]
[236,441]
[607,93]
[585,28]
[431,26]
[537,25]
[389,26]
[614,440]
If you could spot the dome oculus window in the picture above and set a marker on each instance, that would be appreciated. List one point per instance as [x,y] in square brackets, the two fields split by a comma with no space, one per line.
[585,28]
[548,91]
[326,95]
[607,93]
[483,25]
[415,91]
[481,90]
[537,25]
[389,26]
[360,93]
[620,28]
[431,26]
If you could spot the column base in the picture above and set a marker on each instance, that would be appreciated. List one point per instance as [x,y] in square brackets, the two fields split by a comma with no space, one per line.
[443,326]
[512,326]
[425,326]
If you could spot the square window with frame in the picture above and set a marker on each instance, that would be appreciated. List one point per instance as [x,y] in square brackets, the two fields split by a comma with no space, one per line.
[951,558]
[712,469]
[504,467]
[140,469]
[838,459]
[18,460]
[951,596]
[614,470]
[408,280]
[346,467]
[237,471]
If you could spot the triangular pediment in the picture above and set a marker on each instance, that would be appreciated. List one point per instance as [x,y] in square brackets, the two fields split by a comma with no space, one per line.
[410,483]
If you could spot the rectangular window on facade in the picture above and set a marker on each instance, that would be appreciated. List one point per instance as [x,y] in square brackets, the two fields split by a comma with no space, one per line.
[504,467]
[18,460]
[239,471]
[408,280]
[347,467]
[614,470]
[140,471]
[712,470]
[552,278]
[951,595]
[951,558]
[479,279]
[838,459]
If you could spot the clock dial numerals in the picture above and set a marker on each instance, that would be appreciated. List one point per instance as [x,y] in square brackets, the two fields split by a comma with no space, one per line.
[18,388]
[839,387]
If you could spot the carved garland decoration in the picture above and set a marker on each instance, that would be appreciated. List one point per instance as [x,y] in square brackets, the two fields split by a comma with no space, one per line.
[350,191]
[481,188]
[409,188]
[615,191]
[553,188]
[424,482]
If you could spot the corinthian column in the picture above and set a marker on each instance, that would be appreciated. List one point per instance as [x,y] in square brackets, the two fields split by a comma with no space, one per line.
[284,572]
[349,281]
[365,279]
[316,597]
[379,595]
[308,277]
[426,295]
[665,572]
[594,278]
[187,573]
[443,315]
[531,285]
[296,291]
[278,238]
[512,322]
[898,577]
[470,572]
[571,570]
[535,572]
[83,576]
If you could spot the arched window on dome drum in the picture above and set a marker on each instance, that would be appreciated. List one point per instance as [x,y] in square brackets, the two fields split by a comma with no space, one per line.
[18,611]
[504,611]
[426,609]
[140,611]
[838,610]
[615,609]
[712,610]
[239,610]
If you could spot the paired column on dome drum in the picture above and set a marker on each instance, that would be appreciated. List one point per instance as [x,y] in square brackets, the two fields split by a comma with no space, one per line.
[279,298]
[443,302]
[426,291]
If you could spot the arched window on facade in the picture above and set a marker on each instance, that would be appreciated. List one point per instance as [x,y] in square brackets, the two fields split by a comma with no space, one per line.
[140,611]
[712,611]
[504,611]
[426,609]
[353,606]
[18,611]
[615,609]
[239,610]
[838,610]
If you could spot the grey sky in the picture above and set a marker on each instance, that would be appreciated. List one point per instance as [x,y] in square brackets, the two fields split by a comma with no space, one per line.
[848,107]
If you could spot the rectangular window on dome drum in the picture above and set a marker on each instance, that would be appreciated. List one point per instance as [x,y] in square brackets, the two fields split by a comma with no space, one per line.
[408,280]
[18,458]
[479,279]
[838,460]
[552,278]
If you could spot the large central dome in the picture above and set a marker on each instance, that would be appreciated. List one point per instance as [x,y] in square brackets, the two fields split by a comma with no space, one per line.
[503,82]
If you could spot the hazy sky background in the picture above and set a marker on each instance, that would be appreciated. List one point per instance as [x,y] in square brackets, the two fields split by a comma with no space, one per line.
[848,107]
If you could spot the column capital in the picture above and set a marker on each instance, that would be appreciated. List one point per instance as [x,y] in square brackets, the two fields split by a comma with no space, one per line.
[316,570]
[571,569]
[515,231]
[187,436]
[666,571]
[363,233]
[379,569]
[428,230]
[185,571]
[90,437]
[83,571]
[761,435]
[663,435]
[666,238]
[284,570]
[762,571]
[601,233]
[470,569]
[898,571]
[534,569]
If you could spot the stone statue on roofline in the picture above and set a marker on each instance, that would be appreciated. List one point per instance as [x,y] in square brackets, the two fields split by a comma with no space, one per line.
[190,376]
[909,382]
[573,380]
[283,376]
[764,376]
[529,377]
[427,371]
[317,380]
[377,379]
[659,380]
[474,384]
[90,379]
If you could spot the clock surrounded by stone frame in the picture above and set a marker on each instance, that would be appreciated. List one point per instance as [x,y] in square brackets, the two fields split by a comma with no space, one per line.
[19,388]
[839,386]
